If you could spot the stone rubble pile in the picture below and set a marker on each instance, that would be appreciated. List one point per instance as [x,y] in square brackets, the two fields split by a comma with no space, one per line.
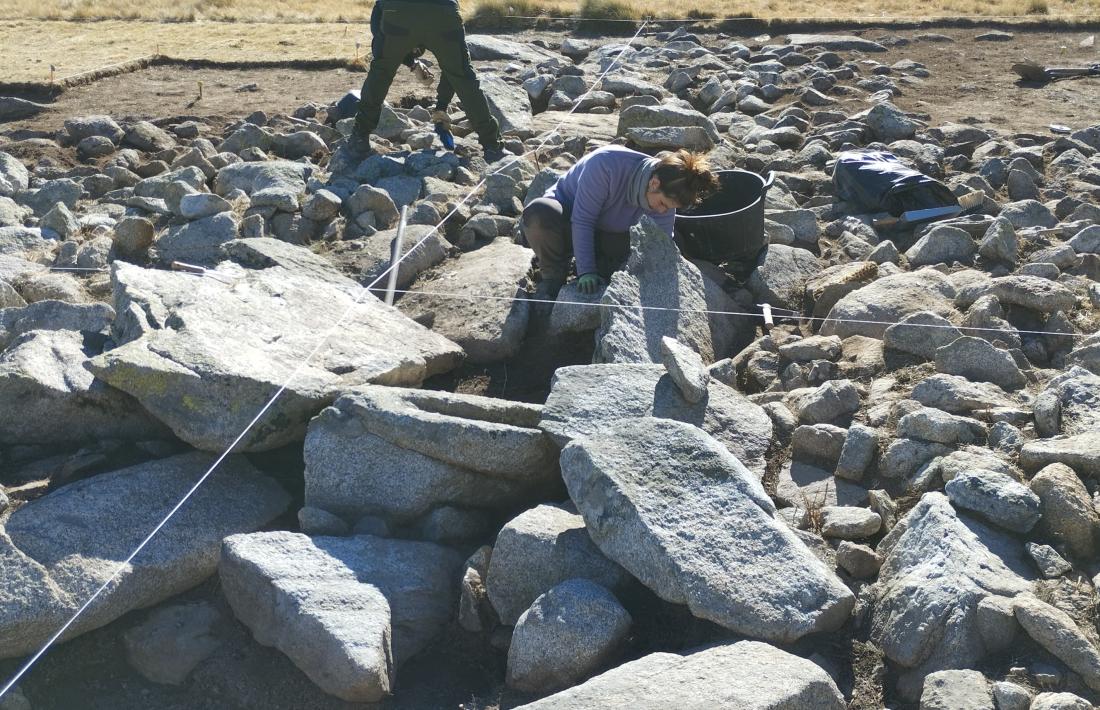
[911,467]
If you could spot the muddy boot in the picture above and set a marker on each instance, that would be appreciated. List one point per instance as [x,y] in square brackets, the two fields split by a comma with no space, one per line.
[348,156]
[494,152]
[546,292]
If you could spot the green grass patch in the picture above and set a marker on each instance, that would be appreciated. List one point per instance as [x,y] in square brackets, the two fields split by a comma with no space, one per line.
[609,17]
[607,10]
[494,12]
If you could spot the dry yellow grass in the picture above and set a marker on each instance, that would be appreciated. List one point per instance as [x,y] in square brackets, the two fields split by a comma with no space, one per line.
[36,34]
[359,10]
[29,47]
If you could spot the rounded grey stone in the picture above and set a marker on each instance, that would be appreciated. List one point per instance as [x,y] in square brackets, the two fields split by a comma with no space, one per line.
[538,550]
[567,633]
[1068,515]
[995,497]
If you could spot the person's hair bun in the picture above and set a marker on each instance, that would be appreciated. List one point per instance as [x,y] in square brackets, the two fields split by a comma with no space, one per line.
[686,177]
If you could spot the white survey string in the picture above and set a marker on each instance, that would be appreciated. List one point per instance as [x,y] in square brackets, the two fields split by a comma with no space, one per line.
[282,388]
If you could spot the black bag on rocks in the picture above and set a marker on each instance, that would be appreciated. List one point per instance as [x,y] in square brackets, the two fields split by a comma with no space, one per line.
[878,182]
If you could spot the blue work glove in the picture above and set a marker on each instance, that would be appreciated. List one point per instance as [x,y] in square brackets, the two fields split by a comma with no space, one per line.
[445,136]
[589,284]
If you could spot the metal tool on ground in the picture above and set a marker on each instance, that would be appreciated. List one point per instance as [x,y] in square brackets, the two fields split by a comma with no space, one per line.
[202,271]
[395,255]
[1033,71]
[913,217]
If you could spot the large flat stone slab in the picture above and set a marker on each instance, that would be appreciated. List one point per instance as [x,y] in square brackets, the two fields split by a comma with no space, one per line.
[599,128]
[490,325]
[747,675]
[584,397]
[54,400]
[346,610]
[835,43]
[509,104]
[90,318]
[870,310]
[205,354]
[671,505]
[399,453]
[66,544]
[487,47]
[1081,452]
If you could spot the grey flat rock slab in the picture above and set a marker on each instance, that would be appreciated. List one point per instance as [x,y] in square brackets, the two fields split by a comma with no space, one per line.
[938,565]
[489,329]
[835,43]
[956,394]
[1055,630]
[870,310]
[509,104]
[996,497]
[59,401]
[91,318]
[583,397]
[336,605]
[450,449]
[980,361]
[487,47]
[189,346]
[66,544]
[1081,452]
[746,675]
[956,690]
[679,512]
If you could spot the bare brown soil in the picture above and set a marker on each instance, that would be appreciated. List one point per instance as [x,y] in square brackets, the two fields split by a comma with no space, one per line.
[969,80]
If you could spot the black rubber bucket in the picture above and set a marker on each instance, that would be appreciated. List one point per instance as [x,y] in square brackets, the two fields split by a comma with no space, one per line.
[728,225]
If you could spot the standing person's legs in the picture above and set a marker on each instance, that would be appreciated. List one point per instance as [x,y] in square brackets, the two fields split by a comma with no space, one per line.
[376,30]
[443,94]
[449,48]
[442,120]
[546,228]
[398,39]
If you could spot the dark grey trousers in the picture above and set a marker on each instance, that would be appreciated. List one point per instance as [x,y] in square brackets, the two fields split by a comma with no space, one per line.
[546,228]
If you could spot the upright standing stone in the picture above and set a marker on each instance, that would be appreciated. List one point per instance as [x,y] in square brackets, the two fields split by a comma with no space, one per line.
[660,294]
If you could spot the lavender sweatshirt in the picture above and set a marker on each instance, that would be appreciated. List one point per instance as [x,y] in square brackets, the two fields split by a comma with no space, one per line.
[594,192]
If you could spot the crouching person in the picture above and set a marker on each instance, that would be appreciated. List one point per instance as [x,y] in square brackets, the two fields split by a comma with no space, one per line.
[588,212]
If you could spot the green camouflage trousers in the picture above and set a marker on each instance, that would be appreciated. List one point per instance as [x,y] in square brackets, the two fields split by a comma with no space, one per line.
[438,27]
